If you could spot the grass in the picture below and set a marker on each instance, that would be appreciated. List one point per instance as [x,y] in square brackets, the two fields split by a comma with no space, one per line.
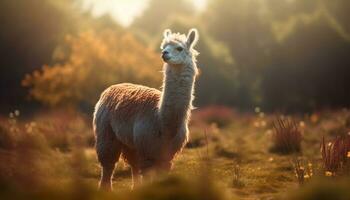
[287,136]
[51,156]
[322,189]
[336,155]
[302,172]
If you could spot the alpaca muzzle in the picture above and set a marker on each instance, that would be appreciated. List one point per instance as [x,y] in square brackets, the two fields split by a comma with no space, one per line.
[165,56]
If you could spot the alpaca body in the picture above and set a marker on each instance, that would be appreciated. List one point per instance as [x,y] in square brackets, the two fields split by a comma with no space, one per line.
[146,126]
[131,112]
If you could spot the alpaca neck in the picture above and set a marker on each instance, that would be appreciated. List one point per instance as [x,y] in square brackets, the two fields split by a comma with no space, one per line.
[177,96]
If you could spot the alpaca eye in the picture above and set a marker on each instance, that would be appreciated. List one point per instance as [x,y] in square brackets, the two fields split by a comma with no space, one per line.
[179,48]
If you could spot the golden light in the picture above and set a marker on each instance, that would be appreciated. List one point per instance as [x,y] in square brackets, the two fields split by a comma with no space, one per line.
[124,11]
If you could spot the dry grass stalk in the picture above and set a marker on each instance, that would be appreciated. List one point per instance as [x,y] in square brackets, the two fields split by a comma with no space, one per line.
[301,172]
[286,137]
[335,155]
[237,177]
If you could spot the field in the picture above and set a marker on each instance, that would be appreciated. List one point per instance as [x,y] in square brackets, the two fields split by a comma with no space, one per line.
[270,79]
[230,156]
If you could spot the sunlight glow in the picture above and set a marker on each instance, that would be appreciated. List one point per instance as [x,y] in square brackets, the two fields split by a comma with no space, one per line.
[124,11]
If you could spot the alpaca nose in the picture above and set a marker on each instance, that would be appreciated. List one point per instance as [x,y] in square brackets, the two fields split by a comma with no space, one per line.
[165,55]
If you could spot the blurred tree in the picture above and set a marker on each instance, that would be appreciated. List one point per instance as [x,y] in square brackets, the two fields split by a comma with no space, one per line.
[339,9]
[244,27]
[158,12]
[309,69]
[290,54]
[94,62]
[30,30]
[283,10]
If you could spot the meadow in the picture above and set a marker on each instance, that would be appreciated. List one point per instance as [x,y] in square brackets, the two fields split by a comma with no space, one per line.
[289,57]
[230,155]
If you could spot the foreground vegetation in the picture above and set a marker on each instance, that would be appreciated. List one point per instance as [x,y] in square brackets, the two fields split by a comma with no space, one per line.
[230,156]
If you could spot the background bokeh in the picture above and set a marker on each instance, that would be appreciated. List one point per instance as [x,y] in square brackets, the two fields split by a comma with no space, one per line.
[273,117]
[281,55]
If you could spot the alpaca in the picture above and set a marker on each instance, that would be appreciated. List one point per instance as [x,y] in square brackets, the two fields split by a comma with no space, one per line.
[145,126]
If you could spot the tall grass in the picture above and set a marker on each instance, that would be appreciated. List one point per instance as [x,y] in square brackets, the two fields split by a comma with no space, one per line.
[237,177]
[287,136]
[302,172]
[336,155]
[47,159]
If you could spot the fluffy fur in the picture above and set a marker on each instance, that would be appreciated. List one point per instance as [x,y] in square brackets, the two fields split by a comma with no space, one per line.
[146,126]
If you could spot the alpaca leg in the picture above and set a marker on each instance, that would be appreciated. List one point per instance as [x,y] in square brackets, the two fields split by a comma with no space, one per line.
[136,176]
[147,169]
[131,158]
[108,152]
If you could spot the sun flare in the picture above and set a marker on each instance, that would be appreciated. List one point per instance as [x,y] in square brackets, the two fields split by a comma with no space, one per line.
[124,11]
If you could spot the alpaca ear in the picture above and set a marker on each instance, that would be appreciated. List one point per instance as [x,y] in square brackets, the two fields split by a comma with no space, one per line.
[192,38]
[166,33]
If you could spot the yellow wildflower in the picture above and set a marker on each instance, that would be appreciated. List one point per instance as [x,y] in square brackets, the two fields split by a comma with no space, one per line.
[328,173]
[262,115]
[257,109]
[17,113]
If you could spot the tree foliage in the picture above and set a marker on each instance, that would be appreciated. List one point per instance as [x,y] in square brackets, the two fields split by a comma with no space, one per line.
[92,62]
[30,30]
[290,54]
[157,15]
[280,55]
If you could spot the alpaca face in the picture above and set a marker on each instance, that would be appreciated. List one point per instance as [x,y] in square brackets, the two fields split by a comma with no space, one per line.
[175,54]
[177,49]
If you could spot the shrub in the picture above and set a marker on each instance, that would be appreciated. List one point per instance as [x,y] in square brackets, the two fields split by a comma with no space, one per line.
[92,62]
[301,172]
[286,137]
[335,155]
[220,115]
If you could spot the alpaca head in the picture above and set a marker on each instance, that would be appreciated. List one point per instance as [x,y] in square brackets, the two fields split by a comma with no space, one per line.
[177,49]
